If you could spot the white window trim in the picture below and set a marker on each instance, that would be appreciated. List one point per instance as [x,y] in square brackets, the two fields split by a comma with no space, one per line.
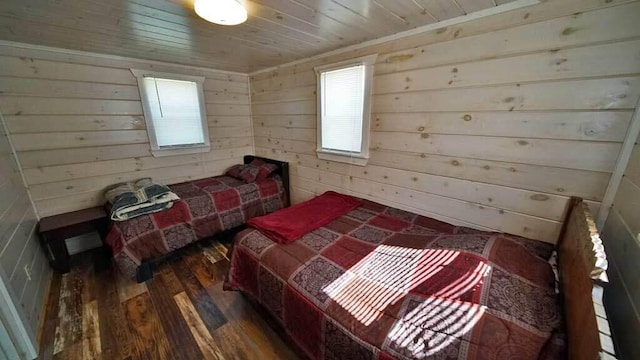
[155,149]
[341,156]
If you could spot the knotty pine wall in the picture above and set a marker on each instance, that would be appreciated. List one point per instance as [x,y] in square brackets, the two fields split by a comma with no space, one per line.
[19,245]
[492,123]
[621,235]
[77,125]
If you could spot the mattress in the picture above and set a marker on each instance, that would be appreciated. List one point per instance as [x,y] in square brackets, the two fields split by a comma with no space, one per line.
[382,283]
[206,207]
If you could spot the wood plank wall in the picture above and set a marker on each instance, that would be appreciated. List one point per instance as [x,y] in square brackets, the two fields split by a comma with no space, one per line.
[77,125]
[492,123]
[621,235]
[19,244]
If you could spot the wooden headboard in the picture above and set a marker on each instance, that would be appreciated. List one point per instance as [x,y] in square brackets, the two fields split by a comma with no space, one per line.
[283,171]
[582,265]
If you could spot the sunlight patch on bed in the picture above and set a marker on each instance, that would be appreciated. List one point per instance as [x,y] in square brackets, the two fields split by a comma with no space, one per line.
[388,274]
[432,325]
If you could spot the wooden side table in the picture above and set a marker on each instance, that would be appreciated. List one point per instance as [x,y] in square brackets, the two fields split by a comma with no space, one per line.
[54,230]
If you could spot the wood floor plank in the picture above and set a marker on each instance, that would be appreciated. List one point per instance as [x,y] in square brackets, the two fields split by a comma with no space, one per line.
[176,329]
[171,281]
[129,288]
[212,254]
[198,329]
[145,328]
[50,319]
[115,339]
[250,323]
[207,273]
[69,332]
[234,344]
[91,348]
[212,317]
[88,273]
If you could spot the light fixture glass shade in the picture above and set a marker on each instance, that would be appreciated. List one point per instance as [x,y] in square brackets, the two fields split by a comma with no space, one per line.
[223,12]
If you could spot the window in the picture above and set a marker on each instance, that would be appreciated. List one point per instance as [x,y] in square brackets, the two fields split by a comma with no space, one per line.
[344,110]
[174,112]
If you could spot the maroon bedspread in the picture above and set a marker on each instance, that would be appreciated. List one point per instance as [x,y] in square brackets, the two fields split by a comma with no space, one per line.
[381,283]
[206,207]
[287,225]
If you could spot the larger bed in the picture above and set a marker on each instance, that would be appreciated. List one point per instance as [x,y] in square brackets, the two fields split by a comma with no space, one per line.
[382,283]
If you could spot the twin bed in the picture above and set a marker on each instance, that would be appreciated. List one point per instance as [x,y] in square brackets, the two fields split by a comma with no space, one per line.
[207,208]
[382,283]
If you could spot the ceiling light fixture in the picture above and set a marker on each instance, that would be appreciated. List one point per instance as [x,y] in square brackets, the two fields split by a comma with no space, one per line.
[223,12]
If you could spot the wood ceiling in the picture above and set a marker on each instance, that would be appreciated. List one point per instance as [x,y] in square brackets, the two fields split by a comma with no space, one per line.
[277,31]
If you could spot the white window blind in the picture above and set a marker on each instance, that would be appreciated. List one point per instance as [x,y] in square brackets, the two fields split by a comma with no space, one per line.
[342,105]
[174,108]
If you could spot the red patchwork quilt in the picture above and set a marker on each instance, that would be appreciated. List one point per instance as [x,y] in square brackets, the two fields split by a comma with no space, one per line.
[206,207]
[382,283]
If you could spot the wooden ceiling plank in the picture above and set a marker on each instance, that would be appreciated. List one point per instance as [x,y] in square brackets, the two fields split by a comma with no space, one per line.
[291,22]
[375,13]
[470,6]
[412,12]
[314,16]
[343,14]
[441,9]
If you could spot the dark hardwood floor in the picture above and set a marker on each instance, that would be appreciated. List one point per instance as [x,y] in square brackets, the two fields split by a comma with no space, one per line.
[182,313]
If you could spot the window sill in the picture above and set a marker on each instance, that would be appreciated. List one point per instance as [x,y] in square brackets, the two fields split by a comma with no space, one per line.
[343,158]
[180,151]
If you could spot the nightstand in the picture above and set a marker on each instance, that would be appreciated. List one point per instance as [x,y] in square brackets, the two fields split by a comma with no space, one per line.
[54,230]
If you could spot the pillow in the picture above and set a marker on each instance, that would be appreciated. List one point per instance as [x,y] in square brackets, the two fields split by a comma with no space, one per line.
[235,171]
[264,169]
[249,173]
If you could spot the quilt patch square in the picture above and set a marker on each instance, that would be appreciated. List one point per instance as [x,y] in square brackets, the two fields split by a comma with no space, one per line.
[269,188]
[177,214]
[339,344]
[371,234]
[271,291]
[347,251]
[514,298]
[232,218]
[178,236]
[136,227]
[314,277]
[207,226]
[304,321]
[203,183]
[200,206]
[226,199]
[319,239]
[388,222]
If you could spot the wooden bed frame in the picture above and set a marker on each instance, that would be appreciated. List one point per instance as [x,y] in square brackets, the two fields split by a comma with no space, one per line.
[145,270]
[582,266]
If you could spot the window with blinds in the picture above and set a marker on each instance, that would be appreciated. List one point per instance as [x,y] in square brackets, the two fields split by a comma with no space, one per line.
[344,92]
[174,111]
[342,102]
